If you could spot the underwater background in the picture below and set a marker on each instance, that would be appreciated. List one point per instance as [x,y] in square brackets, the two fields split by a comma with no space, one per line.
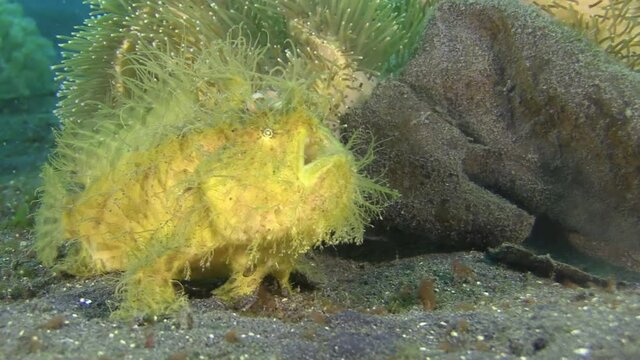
[27,93]
[56,18]
[513,141]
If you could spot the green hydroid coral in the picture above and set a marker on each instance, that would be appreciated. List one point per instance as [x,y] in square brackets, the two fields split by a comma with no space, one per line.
[194,142]
[378,35]
[613,24]
[378,40]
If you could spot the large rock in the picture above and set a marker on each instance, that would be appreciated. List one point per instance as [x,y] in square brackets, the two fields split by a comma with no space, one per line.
[504,115]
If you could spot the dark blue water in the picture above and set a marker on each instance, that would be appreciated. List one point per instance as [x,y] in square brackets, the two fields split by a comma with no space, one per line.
[55,17]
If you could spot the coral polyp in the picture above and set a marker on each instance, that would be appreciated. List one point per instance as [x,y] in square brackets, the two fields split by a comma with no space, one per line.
[195,142]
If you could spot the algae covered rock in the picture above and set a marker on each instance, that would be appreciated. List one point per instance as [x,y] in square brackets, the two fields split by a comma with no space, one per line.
[503,100]
[25,56]
[196,141]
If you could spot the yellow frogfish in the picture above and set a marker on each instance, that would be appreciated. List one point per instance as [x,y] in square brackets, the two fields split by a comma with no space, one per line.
[197,141]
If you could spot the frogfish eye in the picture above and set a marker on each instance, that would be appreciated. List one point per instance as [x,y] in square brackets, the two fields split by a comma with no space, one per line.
[267,133]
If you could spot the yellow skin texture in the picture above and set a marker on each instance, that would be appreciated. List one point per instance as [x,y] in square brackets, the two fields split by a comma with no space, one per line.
[613,24]
[242,224]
